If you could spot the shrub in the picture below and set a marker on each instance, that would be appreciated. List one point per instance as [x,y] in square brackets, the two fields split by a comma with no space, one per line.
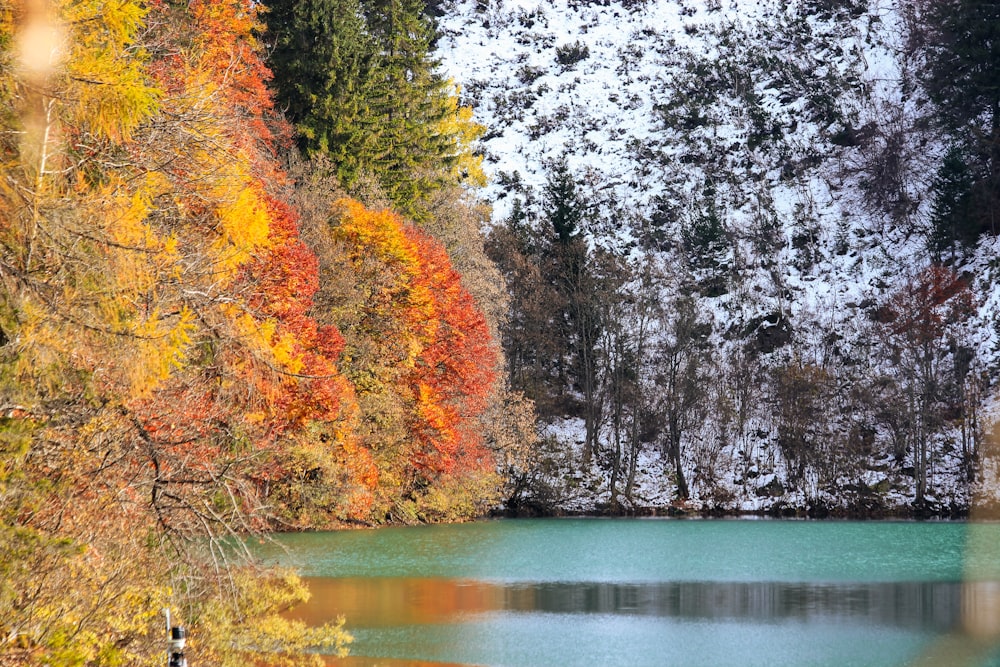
[569,55]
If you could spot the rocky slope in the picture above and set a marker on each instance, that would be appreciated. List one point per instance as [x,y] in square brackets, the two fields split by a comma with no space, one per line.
[799,128]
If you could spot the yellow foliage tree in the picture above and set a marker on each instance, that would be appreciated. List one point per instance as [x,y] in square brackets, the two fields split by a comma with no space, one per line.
[132,208]
[466,165]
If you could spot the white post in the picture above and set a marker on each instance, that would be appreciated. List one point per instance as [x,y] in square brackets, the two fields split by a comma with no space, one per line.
[176,638]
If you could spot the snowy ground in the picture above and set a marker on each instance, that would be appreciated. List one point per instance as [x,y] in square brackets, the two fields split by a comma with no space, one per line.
[574,490]
[650,100]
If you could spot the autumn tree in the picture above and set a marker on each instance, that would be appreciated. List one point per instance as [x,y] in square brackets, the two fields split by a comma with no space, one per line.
[803,397]
[923,321]
[63,599]
[419,352]
[144,380]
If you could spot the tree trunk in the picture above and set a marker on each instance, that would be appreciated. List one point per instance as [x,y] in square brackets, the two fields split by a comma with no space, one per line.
[633,458]
[674,455]
[615,475]
[682,487]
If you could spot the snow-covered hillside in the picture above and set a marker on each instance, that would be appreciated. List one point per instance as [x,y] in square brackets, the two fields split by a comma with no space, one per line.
[651,98]
[753,97]
[800,124]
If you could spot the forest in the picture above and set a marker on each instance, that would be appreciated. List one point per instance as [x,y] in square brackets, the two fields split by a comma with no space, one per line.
[254,278]
[768,237]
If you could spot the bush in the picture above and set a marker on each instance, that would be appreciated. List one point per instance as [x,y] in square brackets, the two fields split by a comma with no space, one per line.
[569,55]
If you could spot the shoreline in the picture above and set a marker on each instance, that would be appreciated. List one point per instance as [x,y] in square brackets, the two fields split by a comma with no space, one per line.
[656,513]
[953,513]
[777,512]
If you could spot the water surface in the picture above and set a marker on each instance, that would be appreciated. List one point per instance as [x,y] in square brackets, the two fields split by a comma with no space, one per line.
[582,592]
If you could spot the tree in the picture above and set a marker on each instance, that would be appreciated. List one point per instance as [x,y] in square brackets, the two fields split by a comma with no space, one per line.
[629,305]
[923,320]
[803,397]
[963,79]
[568,268]
[705,244]
[419,352]
[564,207]
[321,53]
[963,40]
[358,81]
[682,365]
[134,226]
[530,348]
[510,423]
[953,220]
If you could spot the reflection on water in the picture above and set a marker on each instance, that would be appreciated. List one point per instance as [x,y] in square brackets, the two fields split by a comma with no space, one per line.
[930,606]
[456,620]
[981,610]
[462,622]
[658,593]
[386,602]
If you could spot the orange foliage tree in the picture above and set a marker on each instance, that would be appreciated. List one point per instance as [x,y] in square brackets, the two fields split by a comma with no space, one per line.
[165,383]
[158,367]
[417,341]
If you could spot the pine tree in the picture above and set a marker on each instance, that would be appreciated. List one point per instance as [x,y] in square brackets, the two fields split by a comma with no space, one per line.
[321,56]
[963,73]
[410,98]
[569,270]
[358,80]
[564,205]
[952,219]
[704,235]
[963,79]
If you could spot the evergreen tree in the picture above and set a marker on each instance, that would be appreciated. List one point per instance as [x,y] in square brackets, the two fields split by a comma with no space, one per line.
[564,205]
[963,73]
[357,79]
[705,244]
[704,235]
[569,270]
[409,97]
[322,56]
[952,220]
[963,79]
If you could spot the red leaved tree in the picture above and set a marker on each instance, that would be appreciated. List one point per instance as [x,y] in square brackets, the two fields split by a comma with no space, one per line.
[420,350]
[924,320]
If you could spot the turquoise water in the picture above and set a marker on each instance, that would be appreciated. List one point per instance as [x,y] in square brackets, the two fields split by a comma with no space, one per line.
[581,592]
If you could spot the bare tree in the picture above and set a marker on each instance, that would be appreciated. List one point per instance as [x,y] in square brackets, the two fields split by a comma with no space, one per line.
[683,367]
[629,310]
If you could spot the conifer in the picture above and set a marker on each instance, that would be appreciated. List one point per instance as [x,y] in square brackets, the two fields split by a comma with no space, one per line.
[321,55]
[963,79]
[951,215]
[360,84]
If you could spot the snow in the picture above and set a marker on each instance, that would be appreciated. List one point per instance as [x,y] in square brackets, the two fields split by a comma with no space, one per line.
[775,86]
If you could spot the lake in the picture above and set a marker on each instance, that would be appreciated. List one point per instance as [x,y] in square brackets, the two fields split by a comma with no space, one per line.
[657,592]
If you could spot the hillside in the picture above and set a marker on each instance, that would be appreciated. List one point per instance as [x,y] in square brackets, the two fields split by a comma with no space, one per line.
[779,165]
[212,330]
[731,257]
